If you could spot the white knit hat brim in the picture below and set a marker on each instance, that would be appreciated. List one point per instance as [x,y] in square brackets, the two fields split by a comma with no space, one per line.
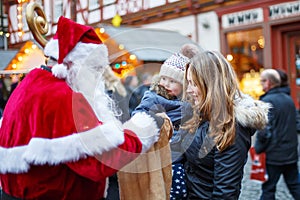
[171,72]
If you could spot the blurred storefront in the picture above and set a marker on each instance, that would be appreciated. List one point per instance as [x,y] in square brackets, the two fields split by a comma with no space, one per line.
[262,34]
[139,50]
[253,34]
[15,64]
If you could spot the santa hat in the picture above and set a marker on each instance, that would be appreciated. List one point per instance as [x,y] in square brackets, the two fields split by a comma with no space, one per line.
[72,42]
[174,67]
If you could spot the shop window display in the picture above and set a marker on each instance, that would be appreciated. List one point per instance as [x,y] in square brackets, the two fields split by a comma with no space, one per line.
[245,53]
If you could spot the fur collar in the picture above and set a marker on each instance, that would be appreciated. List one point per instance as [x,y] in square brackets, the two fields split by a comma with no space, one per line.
[251,113]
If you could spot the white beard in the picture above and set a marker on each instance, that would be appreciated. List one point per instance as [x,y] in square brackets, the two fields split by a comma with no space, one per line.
[90,83]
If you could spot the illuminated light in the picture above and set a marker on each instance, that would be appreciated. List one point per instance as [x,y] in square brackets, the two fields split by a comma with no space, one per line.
[132,57]
[116,20]
[33,46]
[250,84]
[229,57]
[14,66]
[117,66]
[1,32]
[20,58]
[19,16]
[102,30]
[19,1]
[7,34]
[253,47]
[19,8]
[121,46]
[20,33]
[26,51]
[20,25]
[261,42]
[124,63]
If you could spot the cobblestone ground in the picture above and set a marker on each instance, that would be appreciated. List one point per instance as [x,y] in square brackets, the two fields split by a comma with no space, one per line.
[251,190]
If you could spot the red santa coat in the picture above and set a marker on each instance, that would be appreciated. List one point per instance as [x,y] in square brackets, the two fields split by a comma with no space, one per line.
[31,112]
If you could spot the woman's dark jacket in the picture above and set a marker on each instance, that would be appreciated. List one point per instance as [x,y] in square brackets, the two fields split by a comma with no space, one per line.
[212,174]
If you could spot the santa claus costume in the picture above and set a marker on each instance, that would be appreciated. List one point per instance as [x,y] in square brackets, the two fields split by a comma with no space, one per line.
[59,138]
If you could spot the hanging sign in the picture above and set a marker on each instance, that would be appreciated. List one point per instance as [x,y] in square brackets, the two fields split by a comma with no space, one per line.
[245,17]
[284,10]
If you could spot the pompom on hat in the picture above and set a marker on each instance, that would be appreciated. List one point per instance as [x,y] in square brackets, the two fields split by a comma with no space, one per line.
[190,50]
[72,42]
[174,67]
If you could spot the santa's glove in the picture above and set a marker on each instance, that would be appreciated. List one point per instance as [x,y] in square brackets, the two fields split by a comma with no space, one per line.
[146,127]
[11,160]
[76,146]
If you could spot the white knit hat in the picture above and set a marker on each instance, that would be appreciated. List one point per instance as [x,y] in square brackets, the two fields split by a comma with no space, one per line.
[174,67]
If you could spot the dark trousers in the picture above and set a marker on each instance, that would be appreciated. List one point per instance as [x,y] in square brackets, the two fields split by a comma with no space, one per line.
[113,188]
[290,175]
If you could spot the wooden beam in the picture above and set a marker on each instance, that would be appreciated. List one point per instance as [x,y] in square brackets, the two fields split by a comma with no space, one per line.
[174,10]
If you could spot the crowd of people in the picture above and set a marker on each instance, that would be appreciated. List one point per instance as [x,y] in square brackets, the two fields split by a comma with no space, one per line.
[71,125]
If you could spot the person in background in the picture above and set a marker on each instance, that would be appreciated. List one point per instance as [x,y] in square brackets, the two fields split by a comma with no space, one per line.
[131,82]
[116,90]
[279,139]
[146,82]
[284,83]
[165,96]
[59,136]
[285,88]
[218,136]
[3,96]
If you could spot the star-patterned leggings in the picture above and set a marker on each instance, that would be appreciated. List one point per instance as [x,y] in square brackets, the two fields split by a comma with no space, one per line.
[178,189]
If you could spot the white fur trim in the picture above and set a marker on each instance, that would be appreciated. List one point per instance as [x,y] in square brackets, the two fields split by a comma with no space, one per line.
[111,136]
[97,54]
[89,54]
[51,49]
[145,128]
[60,71]
[74,147]
[53,151]
[251,113]
[11,160]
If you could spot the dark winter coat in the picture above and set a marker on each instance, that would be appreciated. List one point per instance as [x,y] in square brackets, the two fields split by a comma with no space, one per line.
[212,174]
[281,135]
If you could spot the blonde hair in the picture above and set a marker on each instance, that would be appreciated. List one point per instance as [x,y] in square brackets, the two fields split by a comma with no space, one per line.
[218,86]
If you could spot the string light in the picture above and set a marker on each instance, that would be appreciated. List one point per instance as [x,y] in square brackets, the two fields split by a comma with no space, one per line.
[20,17]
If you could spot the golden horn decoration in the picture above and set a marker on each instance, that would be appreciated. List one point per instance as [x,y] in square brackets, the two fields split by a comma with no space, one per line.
[37,22]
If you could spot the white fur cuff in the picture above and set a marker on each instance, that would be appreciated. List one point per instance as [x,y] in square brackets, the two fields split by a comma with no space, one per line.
[74,147]
[11,160]
[103,138]
[145,128]
[60,71]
